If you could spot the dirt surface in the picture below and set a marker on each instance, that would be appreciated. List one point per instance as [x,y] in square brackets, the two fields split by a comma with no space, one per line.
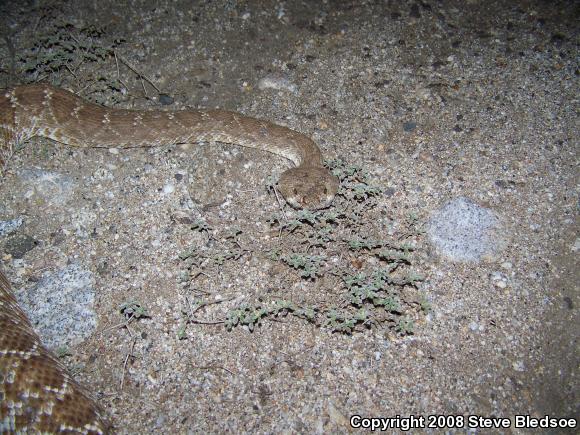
[436,100]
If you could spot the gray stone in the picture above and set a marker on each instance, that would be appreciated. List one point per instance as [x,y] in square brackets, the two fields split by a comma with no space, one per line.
[7,227]
[60,306]
[464,231]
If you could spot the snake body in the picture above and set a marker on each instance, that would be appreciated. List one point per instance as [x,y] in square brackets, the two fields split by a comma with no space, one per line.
[42,110]
[36,393]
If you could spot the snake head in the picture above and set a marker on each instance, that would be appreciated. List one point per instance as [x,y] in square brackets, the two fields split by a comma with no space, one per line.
[308,187]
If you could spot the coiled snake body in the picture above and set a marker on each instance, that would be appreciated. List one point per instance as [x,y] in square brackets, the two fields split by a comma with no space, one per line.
[36,393]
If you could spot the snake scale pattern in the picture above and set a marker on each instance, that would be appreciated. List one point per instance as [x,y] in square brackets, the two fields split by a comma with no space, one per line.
[36,392]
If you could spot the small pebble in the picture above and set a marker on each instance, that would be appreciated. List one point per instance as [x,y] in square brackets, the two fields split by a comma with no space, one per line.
[276,82]
[165,100]
[168,188]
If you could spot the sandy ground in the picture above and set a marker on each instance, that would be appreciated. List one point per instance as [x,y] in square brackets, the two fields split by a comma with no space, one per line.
[436,100]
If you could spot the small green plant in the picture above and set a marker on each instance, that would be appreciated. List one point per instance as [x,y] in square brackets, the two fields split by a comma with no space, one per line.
[275,254]
[246,315]
[133,310]
[63,352]
[201,226]
[221,257]
[307,265]
[405,326]
[425,303]
[198,260]
[66,49]
[65,46]
[355,183]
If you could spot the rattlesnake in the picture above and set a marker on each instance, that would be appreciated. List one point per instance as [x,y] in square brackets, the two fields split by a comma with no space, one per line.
[36,392]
